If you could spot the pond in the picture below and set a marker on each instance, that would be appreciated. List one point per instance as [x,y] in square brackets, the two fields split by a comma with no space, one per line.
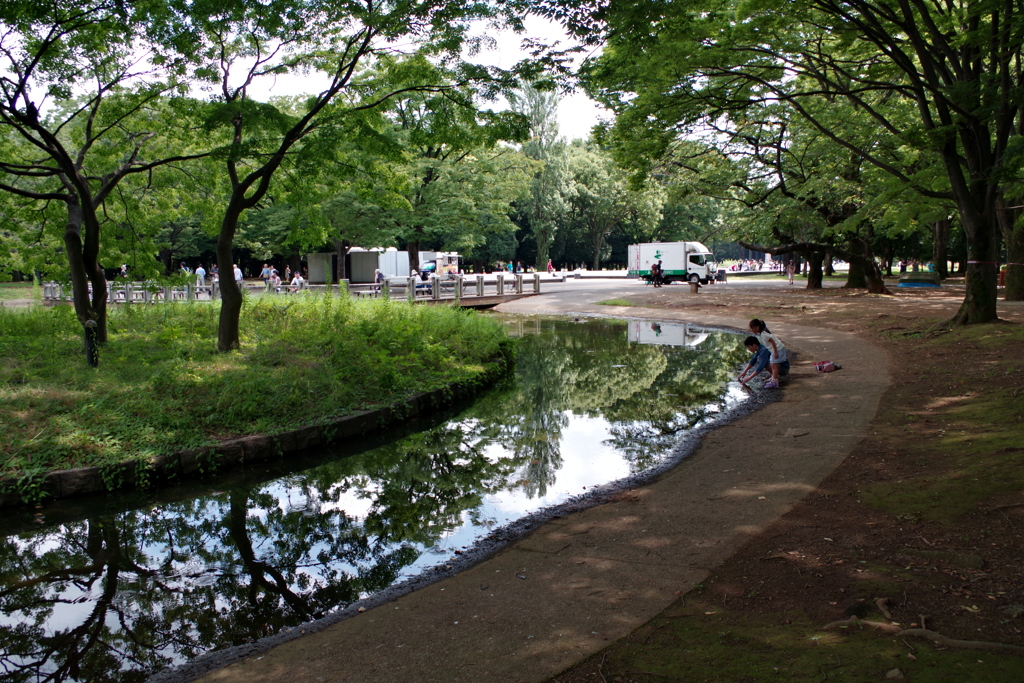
[119,587]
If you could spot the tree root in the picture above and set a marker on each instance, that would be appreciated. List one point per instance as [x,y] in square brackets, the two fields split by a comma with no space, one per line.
[936,638]
[854,621]
[946,641]
[883,606]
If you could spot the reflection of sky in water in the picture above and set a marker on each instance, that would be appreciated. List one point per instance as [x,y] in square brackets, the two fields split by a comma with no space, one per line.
[590,403]
[588,461]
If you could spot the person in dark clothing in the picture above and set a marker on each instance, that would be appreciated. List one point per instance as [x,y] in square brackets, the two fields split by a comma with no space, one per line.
[656,274]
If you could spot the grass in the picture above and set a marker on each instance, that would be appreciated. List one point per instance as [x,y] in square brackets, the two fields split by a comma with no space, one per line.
[617,302]
[10,291]
[162,387]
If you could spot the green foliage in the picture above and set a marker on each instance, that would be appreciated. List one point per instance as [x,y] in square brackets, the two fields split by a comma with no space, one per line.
[546,207]
[161,387]
[602,201]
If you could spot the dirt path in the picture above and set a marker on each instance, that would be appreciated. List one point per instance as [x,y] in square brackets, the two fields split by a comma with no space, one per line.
[575,584]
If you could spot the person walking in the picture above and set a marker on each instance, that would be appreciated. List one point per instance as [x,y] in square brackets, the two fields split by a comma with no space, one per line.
[791,269]
[200,276]
[238,274]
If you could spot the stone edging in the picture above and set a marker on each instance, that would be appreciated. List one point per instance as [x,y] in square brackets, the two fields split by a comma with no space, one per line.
[195,462]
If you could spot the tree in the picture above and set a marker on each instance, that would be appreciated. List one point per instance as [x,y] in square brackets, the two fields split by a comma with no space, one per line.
[75,151]
[457,171]
[939,78]
[547,204]
[261,40]
[602,200]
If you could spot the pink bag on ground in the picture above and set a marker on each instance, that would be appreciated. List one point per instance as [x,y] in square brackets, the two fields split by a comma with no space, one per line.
[827,366]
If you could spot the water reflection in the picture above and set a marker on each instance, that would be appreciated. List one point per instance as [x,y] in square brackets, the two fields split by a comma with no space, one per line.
[118,594]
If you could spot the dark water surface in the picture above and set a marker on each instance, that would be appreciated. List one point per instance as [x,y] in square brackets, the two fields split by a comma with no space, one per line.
[116,588]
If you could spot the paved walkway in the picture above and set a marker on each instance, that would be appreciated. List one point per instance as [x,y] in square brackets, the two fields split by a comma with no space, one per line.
[576,583]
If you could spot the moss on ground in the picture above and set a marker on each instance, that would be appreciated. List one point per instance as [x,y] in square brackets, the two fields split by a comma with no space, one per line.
[970,409]
[697,640]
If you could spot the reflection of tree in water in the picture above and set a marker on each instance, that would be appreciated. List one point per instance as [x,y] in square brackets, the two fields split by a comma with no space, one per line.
[648,392]
[150,587]
[527,418]
[648,424]
[142,589]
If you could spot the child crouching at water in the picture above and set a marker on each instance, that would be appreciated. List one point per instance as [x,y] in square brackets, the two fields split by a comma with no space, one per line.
[779,361]
[761,358]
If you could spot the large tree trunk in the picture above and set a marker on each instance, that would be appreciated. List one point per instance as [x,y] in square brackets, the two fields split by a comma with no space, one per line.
[814,262]
[596,242]
[855,278]
[979,304]
[544,237]
[940,255]
[977,200]
[873,275]
[230,294]
[829,270]
[413,247]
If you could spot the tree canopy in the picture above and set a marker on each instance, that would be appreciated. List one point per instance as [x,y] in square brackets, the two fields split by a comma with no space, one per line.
[938,80]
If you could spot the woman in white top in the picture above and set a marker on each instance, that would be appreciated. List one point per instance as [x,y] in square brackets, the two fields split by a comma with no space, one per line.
[780,359]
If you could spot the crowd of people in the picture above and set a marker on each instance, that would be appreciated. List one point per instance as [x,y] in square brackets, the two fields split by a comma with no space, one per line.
[754,264]
[272,280]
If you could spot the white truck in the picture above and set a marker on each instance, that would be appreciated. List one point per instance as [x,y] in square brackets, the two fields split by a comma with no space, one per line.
[665,334]
[680,261]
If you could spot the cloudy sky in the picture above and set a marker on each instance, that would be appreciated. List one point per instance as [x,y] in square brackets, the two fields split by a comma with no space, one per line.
[577,113]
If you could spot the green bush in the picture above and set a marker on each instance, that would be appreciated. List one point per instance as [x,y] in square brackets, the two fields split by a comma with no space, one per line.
[161,386]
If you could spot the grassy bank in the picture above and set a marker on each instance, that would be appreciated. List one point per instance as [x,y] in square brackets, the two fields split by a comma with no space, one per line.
[162,387]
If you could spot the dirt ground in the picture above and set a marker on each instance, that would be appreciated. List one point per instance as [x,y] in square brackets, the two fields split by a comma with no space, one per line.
[922,527]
